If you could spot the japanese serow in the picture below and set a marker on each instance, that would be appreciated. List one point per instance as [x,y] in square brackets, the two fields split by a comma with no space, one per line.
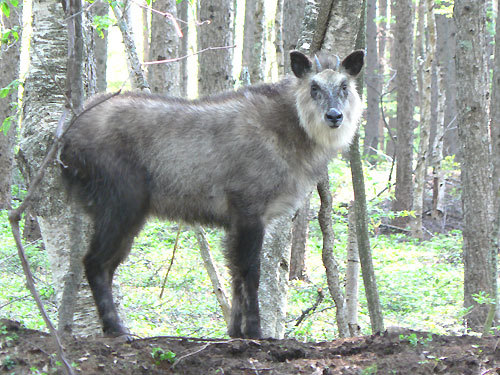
[234,160]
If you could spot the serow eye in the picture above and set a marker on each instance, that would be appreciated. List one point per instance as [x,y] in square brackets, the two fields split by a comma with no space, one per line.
[315,91]
[343,86]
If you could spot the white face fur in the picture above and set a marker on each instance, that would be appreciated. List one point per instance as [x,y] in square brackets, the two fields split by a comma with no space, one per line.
[316,95]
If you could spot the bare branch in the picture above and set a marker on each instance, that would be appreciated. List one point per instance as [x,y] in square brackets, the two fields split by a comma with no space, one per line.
[186,56]
[167,15]
[213,273]
[171,260]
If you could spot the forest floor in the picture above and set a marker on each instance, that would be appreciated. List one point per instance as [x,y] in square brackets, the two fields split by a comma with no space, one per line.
[25,351]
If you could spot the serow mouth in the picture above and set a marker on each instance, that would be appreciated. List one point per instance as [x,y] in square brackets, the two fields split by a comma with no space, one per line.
[334,118]
[334,124]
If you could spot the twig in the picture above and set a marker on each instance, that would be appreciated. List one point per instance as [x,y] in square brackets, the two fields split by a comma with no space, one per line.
[310,310]
[31,286]
[14,300]
[192,353]
[174,59]
[171,260]
[167,15]
[207,345]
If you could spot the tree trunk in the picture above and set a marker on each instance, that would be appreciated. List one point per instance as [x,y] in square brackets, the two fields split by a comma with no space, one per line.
[300,230]
[425,120]
[495,137]
[352,274]
[182,14]
[360,213]
[64,238]
[9,72]
[274,271]
[137,75]
[293,14]
[101,47]
[437,153]
[215,67]
[404,14]
[253,41]
[164,78]
[331,266]
[438,181]
[382,32]
[373,86]
[278,38]
[472,73]
[146,18]
[446,41]
[308,27]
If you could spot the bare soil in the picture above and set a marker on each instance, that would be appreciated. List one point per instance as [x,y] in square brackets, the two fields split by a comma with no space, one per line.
[25,351]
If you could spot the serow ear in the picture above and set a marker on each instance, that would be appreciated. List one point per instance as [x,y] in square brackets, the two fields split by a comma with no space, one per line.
[300,63]
[353,63]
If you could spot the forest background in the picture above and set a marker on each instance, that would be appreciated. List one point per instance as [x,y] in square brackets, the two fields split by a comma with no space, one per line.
[430,159]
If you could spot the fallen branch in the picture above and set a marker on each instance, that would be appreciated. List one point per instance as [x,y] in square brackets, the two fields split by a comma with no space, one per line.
[207,345]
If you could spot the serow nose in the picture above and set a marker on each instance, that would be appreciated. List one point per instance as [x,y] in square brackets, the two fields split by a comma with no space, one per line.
[334,118]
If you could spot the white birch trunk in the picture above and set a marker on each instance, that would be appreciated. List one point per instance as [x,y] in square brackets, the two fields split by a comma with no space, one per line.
[274,269]
[352,275]
[425,121]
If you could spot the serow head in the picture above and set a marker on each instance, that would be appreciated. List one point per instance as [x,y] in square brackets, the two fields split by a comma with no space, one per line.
[330,83]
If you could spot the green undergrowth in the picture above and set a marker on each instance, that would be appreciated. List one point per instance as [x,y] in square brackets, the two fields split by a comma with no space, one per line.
[420,282]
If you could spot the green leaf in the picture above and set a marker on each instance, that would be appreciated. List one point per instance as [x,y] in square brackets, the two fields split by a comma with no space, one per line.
[7,122]
[5,8]
[5,36]
[4,92]
[14,3]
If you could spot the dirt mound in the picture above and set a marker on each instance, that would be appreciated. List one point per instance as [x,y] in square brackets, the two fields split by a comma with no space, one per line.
[24,351]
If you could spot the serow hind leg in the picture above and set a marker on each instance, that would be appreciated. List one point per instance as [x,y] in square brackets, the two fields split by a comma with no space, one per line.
[245,243]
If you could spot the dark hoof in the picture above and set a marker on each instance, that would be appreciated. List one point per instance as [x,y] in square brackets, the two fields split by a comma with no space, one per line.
[253,334]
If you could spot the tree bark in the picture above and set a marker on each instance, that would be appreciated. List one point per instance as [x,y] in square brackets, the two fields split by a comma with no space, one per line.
[44,100]
[352,274]
[293,14]
[472,73]
[215,67]
[446,42]
[9,69]
[331,266]
[164,78]
[138,77]
[308,27]
[382,34]
[425,120]
[101,47]
[495,140]
[182,14]
[146,18]
[373,87]
[404,13]
[274,271]
[300,230]
[253,41]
